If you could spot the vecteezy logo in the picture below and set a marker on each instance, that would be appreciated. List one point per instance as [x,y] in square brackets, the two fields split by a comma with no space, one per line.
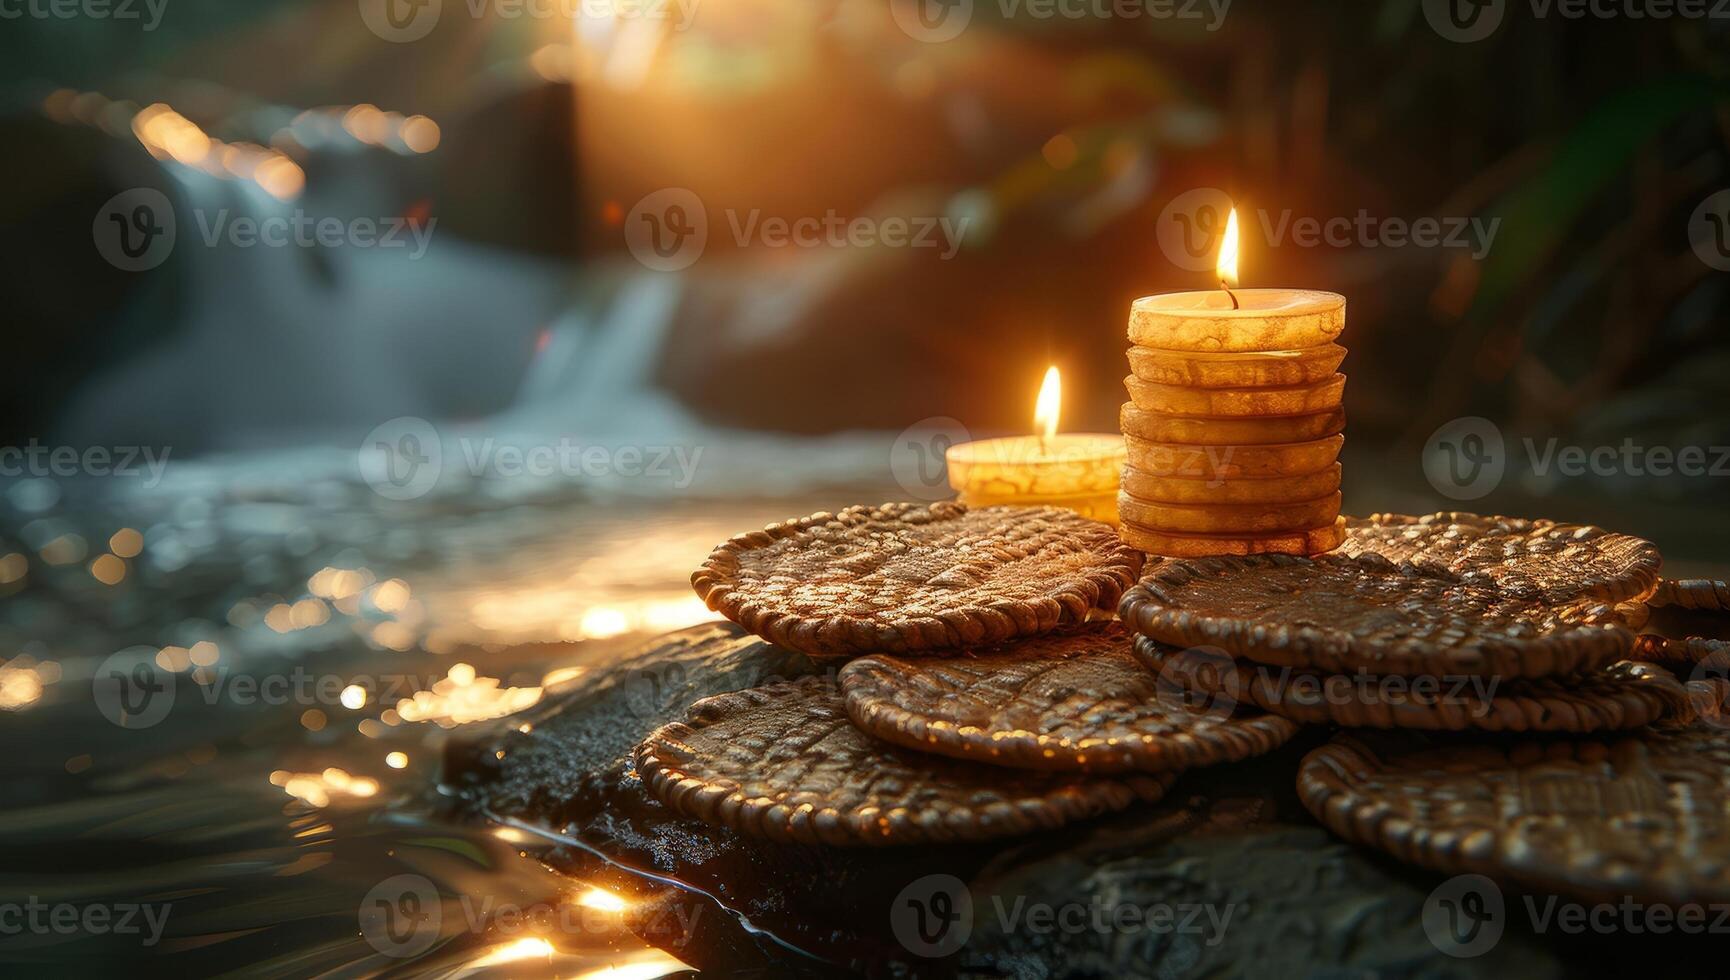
[134,230]
[1465,21]
[933,916]
[1465,916]
[400,916]
[918,457]
[402,458]
[1465,459]
[1709,231]
[1201,682]
[400,21]
[932,21]
[668,229]
[131,690]
[1189,228]
[649,691]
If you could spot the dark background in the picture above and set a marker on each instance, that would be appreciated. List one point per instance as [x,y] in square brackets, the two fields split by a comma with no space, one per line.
[1592,140]
[1598,318]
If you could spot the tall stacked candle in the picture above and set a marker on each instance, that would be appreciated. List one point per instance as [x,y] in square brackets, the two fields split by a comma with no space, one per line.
[1079,471]
[1234,421]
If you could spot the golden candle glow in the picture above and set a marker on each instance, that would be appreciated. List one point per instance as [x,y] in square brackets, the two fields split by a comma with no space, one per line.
[1049,404]
[1079,471]
[1228,251]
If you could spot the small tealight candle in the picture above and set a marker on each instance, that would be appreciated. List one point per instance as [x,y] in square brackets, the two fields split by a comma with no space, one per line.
[1077,470]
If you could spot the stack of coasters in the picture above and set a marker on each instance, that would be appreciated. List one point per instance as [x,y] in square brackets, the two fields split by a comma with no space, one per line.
[1025,737]
[1559,563]
[994,700]
[783,761]
[1364,642]
[1233,434]
[1637,816]
[987,694]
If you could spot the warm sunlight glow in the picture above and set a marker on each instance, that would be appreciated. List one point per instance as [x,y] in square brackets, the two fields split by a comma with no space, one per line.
[514,952]
[1050,403]
[1228,251]
[599,898]
[641,965]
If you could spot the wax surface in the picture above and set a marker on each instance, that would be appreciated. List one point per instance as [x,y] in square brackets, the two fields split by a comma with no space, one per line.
[1265,320]
[1062,465]
[1251,303]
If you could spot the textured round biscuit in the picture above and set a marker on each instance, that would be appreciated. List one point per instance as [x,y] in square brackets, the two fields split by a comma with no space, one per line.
[1173,545]
[1691,593]
[1626,695]
[1236,402]
[1686,651]
[1210,462]
[1339,613]
[1233,519]
[1248,369]
[1188,430]
[1206,321]
[1644,815]
[1064,701]
[1536,558]
[902,577]
[784,762]
[1633,614]
[1178,490]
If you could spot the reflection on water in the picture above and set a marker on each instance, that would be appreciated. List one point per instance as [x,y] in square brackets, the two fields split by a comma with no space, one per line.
[226,701]
[462,697]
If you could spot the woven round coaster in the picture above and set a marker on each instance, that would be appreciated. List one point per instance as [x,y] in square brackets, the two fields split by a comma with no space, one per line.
[1536,558]
[1688,651]
[1171,544]
[901,577]
[1249,369]
[1643,816]
[784,762]
[1691,593]
[1623,696]
[1065,701]
[1338,613]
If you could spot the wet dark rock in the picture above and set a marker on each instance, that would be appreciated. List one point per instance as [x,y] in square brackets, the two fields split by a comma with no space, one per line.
[1228,841]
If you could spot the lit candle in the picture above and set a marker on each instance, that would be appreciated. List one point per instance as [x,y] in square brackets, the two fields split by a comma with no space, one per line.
[1240,386]
[1229,319]
[1077,470]
[1260,320]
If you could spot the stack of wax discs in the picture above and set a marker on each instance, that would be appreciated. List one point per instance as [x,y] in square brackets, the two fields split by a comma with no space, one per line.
[1491,624]
[1233,423]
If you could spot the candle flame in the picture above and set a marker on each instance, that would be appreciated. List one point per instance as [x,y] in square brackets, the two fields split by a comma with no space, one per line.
[1050,404]
[1228,252]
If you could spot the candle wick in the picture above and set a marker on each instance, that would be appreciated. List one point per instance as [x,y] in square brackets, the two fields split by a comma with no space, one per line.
[1229,294]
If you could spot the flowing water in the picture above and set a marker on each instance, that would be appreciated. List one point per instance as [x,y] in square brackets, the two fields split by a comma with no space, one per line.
[225,699]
